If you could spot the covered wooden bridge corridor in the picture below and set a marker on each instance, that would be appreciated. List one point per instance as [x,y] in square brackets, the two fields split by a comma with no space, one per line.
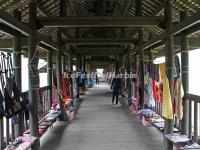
[52,51]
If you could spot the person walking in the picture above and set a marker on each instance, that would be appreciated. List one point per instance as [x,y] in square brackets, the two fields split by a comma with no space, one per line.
[115,86]
[97,79]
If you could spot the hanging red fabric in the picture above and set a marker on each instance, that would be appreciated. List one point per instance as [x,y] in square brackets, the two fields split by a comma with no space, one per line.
[65,88]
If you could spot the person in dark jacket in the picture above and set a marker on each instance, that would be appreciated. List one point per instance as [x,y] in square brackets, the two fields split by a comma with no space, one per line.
[97,79]
[115,86]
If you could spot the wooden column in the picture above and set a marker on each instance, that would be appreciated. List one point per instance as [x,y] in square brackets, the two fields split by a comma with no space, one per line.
[185,79]
[66,63]
[33,76]
[58,62]
[81,63]
[84,63]
[131,75]
[101,7]
[117,64]
[63,8]
[135,72]
[63,60]
[59,74]
[71,63]
[169,69]
[71,70]
[49,75]
[138,11]
[151,58]
[78,77]
[128,79]
[17,73]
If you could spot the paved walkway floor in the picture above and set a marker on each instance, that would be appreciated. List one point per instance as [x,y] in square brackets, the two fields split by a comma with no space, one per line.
[101,126]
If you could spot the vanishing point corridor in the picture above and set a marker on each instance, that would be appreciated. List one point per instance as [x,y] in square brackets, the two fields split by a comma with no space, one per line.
[101,126]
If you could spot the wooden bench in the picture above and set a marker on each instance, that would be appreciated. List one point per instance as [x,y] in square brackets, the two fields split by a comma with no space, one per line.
[21,143]
[182,142]
[46,122]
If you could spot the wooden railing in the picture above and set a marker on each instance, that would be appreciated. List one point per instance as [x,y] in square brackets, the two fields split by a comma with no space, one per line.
[43,103]
[158,108]
[194,116]
[7,129]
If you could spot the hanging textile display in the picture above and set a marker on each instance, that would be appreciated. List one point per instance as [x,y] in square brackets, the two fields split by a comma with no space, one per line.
[2,104]
[157,91]
[178,95]
[155,72]
[148,97]
[65,88]
[162,71]
[167,110]
[74,87]
[11,101]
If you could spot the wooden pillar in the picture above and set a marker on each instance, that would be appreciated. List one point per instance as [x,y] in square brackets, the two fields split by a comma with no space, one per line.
[138,11]
[129,79]
[84,63]
[131,74]
[71,63]
[151,58]
[63,64]
[49,75]
[58,62]
[66,63]
[136,58]
[101,7]
[33,76]
[169,69]
[59,74]
[63,8]
[17,73]
[120,60]
[71,70]
[81,63]
[185,78]
[78,77]
[117,64]
[122,32]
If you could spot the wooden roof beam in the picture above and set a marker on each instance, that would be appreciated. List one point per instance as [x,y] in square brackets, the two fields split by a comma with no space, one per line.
[193,43]
[98,41]
[100,54]
[100,21]
[100,60]
[189,24]
[14,23]
[157,12]
[9,31]
[99,49]
[24,29]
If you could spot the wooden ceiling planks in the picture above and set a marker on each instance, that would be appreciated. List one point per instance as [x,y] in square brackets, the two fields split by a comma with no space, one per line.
[121,7]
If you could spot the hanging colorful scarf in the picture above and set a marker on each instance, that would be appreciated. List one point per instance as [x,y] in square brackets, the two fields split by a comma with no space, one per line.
[167,110]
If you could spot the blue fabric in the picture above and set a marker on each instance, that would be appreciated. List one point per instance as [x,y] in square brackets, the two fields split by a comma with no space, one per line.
[91,82]
[146,113]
